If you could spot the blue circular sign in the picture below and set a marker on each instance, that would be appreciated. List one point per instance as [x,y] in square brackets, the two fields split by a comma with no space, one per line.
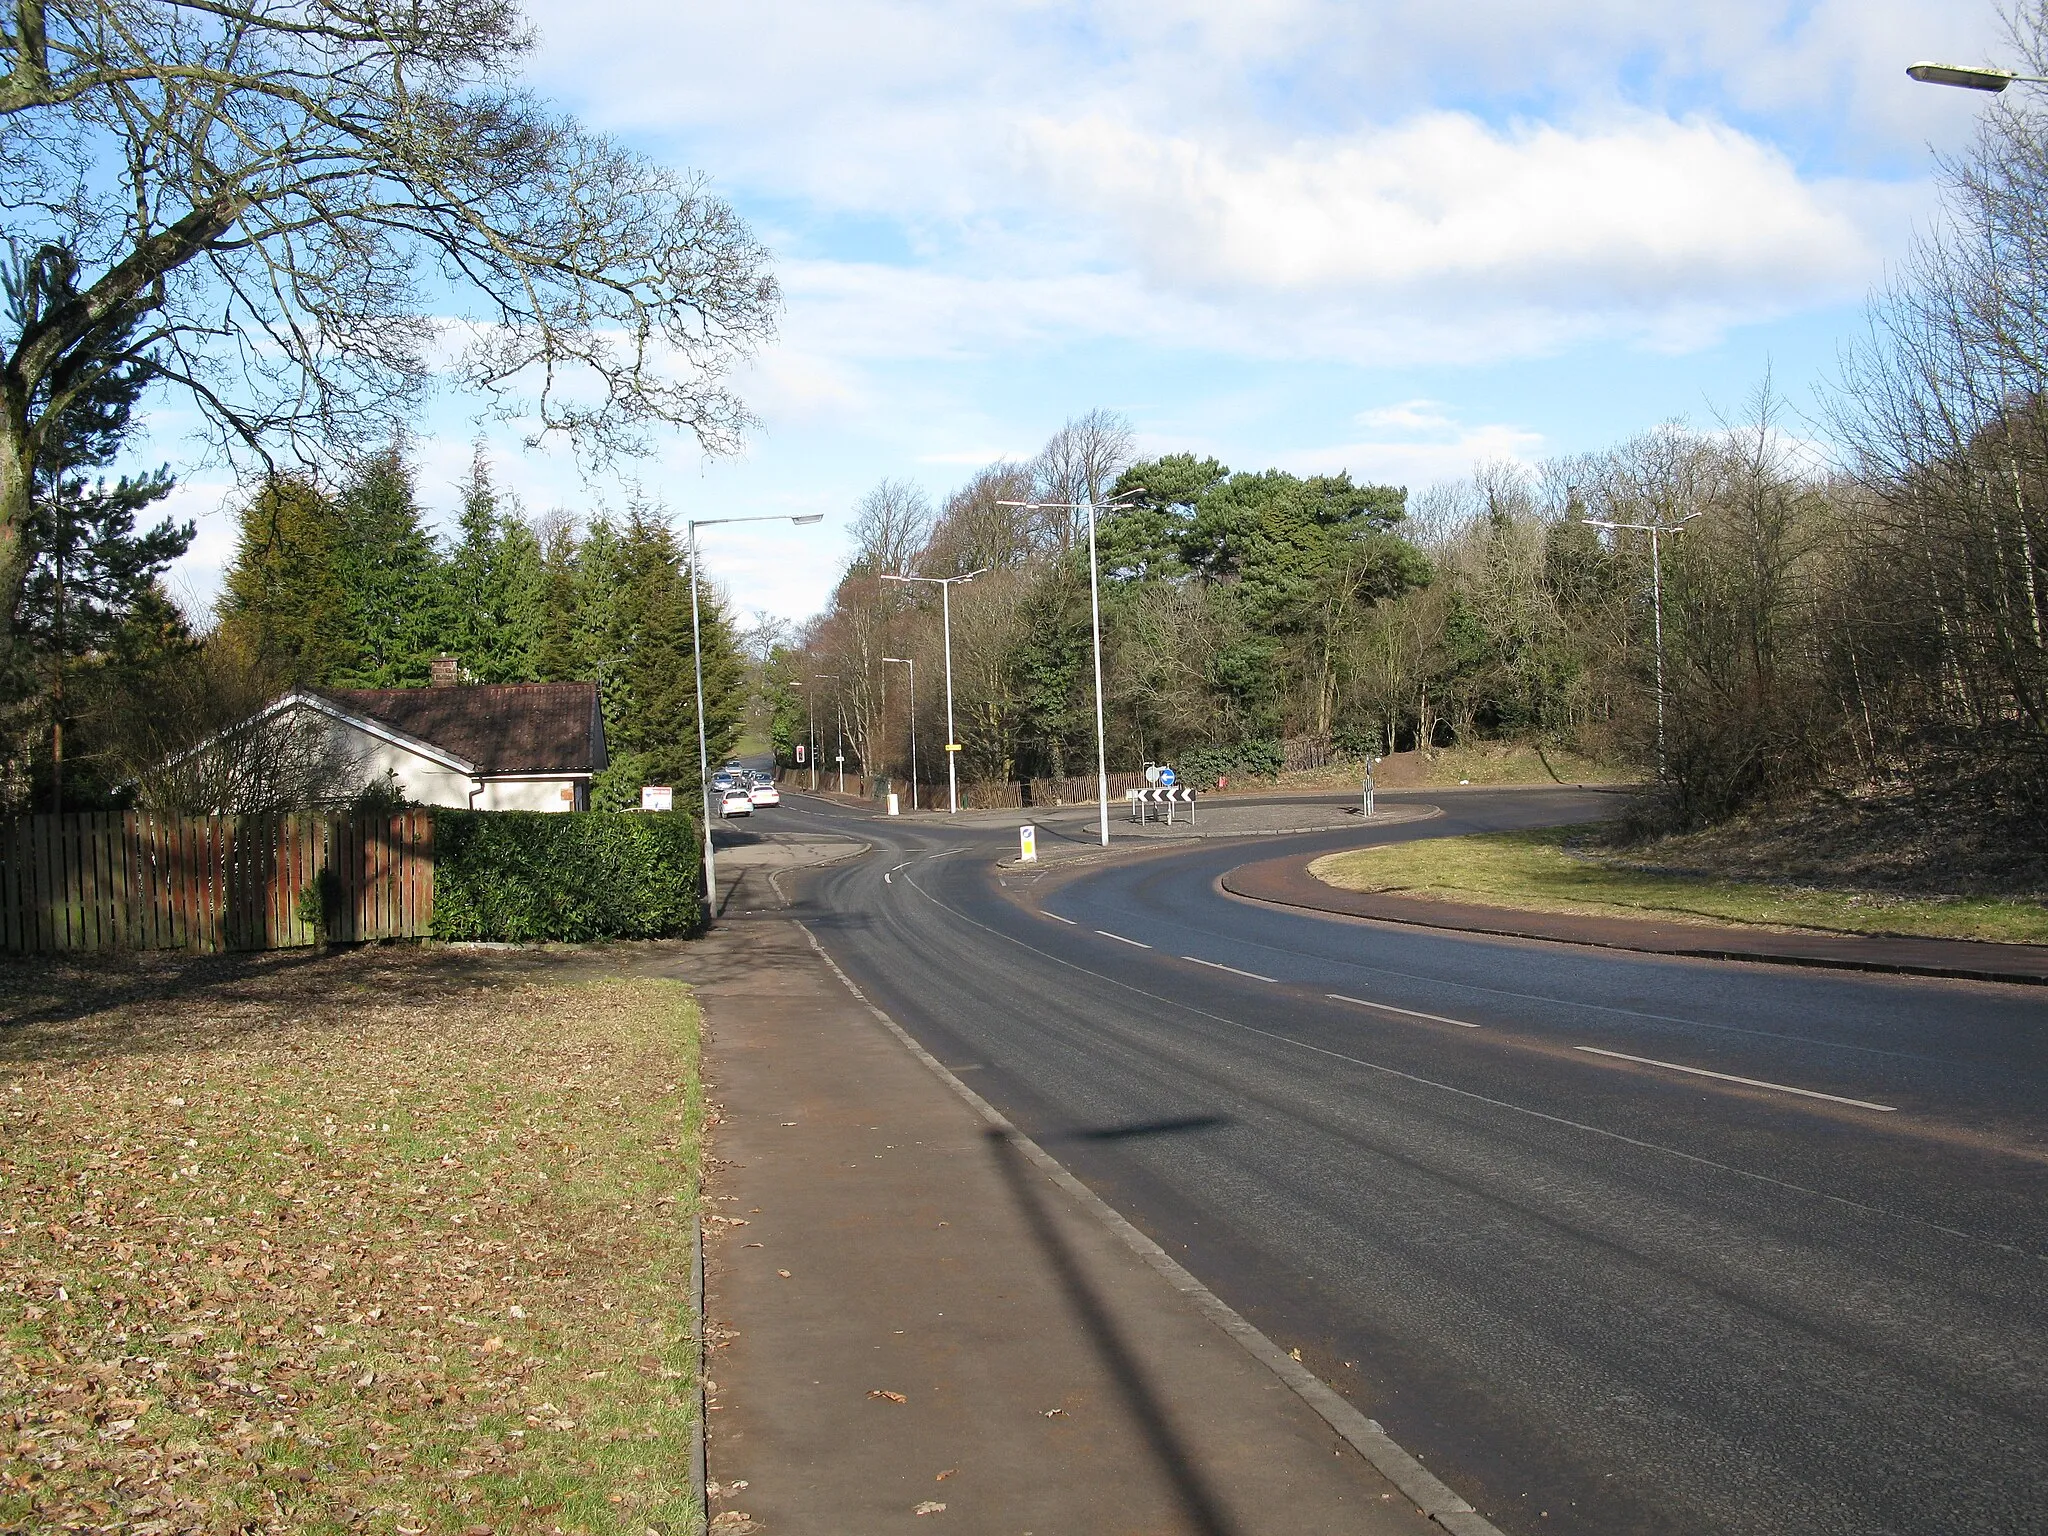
[1166,777]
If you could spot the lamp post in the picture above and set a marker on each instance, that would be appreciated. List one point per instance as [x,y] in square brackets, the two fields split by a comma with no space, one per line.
[945,586]
[1992,80]
[1095,626]
[1655,531]
[697,658]
[910,662]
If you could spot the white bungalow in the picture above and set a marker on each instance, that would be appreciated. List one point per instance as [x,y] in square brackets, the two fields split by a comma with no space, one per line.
[487,747]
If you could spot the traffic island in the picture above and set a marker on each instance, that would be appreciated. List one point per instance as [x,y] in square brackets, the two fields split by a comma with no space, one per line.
[1292,882]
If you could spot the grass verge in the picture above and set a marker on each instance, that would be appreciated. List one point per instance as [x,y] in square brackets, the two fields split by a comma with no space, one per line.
[392,1241]
[1548,871]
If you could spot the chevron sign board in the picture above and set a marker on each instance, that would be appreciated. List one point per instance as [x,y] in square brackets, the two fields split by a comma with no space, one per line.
[1172,795]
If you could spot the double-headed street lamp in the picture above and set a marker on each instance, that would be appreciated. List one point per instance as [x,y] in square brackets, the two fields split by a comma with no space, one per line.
[906,661]
[1655,531]
[1095,624]
[945,586]
[697,656]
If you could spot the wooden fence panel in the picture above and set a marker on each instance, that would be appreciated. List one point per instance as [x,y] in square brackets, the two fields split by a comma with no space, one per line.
[209,883]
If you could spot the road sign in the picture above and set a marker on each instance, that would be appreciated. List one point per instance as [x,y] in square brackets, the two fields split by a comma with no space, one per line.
[657,797]
[1027,843]
[1166,777]
[953,746]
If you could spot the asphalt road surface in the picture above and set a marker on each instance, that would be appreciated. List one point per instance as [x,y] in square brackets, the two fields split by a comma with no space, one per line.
[1467,1178]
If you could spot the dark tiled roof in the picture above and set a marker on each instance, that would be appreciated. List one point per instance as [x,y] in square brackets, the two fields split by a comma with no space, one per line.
[501,728]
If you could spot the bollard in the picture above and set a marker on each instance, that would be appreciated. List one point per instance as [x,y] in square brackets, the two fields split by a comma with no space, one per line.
[892,802]
[1027,843]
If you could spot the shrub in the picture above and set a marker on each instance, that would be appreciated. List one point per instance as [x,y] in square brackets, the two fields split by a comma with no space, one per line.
[1202,766]
[520,876]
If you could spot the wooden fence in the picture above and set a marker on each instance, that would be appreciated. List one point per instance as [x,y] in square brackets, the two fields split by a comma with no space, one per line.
[209,883]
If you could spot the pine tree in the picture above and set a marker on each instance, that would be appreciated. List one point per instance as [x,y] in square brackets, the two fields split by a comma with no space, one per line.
[89,570]
[496,587]
[390,577]
[284,600]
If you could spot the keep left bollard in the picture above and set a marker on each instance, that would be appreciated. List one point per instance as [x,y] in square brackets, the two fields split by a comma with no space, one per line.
[1027,843]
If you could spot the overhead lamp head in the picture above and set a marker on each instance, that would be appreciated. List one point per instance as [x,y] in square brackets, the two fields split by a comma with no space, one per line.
[1992,80]
[808,518]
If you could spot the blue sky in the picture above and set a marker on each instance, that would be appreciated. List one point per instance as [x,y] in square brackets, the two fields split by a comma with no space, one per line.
[1389,236]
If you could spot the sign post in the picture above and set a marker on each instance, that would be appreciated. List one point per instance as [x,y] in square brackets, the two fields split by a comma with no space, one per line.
[1027,844]
[1370,764]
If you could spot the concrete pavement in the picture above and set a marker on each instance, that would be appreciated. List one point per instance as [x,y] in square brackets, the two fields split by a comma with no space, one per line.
[916,1327]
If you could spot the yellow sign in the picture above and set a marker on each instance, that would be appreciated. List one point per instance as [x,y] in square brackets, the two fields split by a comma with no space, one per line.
[954,746]
[1027,843]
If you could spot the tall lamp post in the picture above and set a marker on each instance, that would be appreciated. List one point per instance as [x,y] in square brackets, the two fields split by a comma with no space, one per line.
[1655,531]
[1095,625]
[910,662]
[945,586]
[697,657]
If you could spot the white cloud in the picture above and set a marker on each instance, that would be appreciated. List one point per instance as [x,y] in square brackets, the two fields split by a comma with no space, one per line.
[1638,214]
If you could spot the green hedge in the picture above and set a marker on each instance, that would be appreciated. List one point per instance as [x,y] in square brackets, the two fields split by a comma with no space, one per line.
[1200,767]
[520,876]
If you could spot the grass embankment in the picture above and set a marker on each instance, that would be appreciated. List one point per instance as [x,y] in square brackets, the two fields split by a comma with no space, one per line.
[1553,870]
[392,1241]
[1497,763]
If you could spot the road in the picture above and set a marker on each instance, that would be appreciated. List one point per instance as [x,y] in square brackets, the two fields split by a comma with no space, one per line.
[1467,1178]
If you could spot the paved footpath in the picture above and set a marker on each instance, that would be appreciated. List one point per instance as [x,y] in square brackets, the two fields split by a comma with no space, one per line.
[917,1326]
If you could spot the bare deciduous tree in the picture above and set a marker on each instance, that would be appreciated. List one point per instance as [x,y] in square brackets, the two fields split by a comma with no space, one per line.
[314,206]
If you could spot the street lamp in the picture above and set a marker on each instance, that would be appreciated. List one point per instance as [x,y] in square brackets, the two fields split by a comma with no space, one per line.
[697,656]
[906,661]
[1992,80]
[945,586]
[1095,623]
[1655,531]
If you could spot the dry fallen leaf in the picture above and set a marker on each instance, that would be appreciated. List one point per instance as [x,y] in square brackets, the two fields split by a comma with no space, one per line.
[929,1508]
[894,1397]
[945,1474]
[783,1272]
[1054,1413]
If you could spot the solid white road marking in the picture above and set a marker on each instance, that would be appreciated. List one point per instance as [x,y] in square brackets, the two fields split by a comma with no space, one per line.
[1434,1018]
[1058,919]
[1121,939]
[1748,1082]
[1214,966]
[889,878]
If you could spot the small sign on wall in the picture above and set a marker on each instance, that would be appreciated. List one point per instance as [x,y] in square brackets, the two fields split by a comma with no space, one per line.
[657,797]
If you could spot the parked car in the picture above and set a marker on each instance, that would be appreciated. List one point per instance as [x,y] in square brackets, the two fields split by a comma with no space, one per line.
[735,801]
[765,792]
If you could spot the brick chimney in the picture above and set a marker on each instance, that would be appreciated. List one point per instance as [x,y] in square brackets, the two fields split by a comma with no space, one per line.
[444,672]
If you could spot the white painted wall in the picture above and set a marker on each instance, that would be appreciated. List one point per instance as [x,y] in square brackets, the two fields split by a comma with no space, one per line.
[531,795]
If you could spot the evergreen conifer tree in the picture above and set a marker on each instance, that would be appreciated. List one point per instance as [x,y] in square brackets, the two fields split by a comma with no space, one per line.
[90,572]
[284,602]
[497,600]
[390,577]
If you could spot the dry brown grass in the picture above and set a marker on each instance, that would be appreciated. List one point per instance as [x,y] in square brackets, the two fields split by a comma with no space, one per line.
[393,1241]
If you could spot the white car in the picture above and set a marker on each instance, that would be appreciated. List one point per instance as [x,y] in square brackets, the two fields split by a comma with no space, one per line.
[734,801]
[765,793]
